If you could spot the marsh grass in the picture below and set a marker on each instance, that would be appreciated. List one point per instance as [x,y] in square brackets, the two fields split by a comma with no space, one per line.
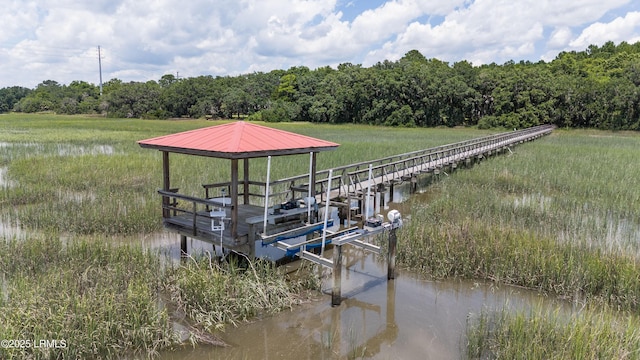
[559,215]
[214,295]
[108,300]
[99,298]
[553,334]
[475,251]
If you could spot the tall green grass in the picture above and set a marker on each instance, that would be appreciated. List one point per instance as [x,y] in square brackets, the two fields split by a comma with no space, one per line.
[101,299]
[214,296]
[553,334]
[476,251]
[559,215]
[107,300]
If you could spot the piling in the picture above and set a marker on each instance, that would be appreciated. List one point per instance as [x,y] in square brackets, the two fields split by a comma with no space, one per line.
[391,268]
[336,294]
[343,214]
[183,246]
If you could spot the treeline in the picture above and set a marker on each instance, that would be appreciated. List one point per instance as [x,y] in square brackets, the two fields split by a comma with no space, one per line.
[598,87]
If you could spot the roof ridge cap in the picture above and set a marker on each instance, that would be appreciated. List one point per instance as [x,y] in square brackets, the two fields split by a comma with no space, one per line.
[236,136]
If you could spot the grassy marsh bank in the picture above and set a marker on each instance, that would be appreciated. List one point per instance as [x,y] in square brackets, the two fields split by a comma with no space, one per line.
[99,298]
[559,215]
[107,300]
[214,296]
[543,334]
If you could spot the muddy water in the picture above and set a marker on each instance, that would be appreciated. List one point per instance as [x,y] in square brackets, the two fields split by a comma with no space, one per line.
[405,318]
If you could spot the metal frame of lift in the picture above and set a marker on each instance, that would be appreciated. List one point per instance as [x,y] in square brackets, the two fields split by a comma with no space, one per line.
[353,236]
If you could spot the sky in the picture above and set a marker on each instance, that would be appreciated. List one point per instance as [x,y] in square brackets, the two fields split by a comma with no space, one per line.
[141,40]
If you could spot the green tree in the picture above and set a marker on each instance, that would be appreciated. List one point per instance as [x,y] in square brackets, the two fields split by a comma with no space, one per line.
[10,96]
[135,100]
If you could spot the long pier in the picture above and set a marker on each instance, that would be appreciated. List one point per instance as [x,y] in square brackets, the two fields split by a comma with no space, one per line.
[281,213]
[354,181]
[347,186]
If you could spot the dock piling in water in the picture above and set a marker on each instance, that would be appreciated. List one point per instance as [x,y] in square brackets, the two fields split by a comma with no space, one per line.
[346,187]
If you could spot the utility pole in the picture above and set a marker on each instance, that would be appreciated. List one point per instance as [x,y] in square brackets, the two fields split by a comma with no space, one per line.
[100,67]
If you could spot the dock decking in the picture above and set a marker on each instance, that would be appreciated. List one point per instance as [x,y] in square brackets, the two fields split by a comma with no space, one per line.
[191,217]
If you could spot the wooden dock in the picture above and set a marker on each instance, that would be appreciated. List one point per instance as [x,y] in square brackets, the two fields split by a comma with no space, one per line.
[191,216]
[288,213]
[354,179]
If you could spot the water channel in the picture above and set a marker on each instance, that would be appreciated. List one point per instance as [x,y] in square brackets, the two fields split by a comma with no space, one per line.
[405,318]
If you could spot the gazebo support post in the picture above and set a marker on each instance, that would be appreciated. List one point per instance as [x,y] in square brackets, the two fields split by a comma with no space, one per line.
[234,199]
[246,181]
[313,183]
[166,184]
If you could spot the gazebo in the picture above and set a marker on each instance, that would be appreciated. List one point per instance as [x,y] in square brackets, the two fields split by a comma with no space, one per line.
[233,221]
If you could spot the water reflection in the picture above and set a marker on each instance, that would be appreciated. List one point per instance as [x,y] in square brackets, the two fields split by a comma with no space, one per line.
[168,244]
[5,182]
[11,151]
[404,318]
[79,150]
[10,229]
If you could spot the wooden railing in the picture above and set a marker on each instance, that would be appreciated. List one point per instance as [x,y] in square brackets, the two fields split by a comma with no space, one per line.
[350,178]
[175,204]
[397,168]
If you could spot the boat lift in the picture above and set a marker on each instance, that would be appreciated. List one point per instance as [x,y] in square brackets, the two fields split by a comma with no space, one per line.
[355,236]
[241,217]
[352,236]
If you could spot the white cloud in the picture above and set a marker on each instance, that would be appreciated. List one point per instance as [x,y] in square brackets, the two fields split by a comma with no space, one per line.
[498,30]
[620,29]
[574,13]
[483,31]
[143,39]
[13,17]
[560,37]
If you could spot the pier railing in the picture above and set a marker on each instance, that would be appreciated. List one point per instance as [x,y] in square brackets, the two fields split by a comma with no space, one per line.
[190,208]
[353,178]
[398,168]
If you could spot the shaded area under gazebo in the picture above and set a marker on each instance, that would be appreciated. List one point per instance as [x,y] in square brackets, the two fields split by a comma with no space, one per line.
[235,216]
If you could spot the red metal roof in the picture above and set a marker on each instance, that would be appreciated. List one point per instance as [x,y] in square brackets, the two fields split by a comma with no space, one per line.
[237,140]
